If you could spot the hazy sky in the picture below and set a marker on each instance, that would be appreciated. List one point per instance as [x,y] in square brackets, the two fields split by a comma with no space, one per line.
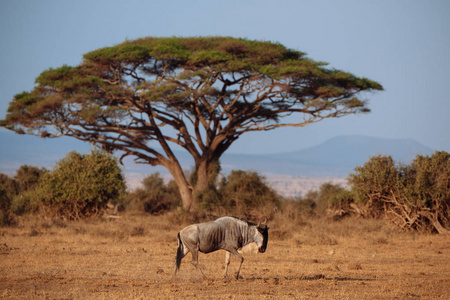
[404,45]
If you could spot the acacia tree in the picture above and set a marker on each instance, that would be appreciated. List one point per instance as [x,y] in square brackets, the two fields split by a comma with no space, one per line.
[145,96]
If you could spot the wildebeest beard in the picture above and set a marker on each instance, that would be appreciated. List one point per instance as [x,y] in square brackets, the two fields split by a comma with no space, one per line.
[264,230]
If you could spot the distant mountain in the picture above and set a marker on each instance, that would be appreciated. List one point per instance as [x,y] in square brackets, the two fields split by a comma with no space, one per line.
[350,151]
[336,157]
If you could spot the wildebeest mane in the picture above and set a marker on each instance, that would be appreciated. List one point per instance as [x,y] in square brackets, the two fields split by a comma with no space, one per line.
[245,221]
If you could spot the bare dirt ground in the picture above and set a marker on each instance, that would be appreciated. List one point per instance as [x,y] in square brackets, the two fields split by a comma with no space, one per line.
[133,258]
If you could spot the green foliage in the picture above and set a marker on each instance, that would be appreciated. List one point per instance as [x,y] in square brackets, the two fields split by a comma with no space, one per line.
[429,179]
[25,202]
[308,204]
[427,190]
[21,101]
[8,190]
[329,198]
[9,186]
[375,180]
[81,185]
[57,77]
[27,177]
[6,216]
[154,197]
[212,51]
[210,57]
[245,191]
[18,193]
[208,197]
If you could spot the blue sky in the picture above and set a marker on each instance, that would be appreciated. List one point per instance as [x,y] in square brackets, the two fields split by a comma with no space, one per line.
[402,44]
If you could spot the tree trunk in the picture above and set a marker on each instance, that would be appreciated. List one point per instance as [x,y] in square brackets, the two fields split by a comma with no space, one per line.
[437,225]
[439,228]
[204,173]
[202,177]
[187,196]
[186,191]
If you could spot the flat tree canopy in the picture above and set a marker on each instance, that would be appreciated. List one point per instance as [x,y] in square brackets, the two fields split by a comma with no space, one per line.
[144,96]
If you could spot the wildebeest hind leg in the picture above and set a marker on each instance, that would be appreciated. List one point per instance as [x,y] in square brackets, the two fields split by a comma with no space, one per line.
[181,253]
[195,260]
[227,262]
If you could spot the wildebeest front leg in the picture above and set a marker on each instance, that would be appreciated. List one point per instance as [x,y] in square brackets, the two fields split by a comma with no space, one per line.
[234,251]
[227,262]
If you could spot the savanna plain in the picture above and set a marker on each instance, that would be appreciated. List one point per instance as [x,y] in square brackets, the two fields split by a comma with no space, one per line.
[132,257]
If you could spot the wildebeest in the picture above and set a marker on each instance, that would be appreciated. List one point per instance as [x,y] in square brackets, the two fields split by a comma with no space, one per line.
[227,233]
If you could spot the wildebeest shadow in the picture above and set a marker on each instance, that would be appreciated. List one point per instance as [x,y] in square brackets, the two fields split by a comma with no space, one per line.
[307,278]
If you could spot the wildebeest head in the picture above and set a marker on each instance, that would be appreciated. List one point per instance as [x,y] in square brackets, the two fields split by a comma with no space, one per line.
[263,229]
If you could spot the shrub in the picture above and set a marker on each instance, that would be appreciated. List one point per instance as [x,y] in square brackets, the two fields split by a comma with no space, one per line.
[27,177]
[6,217]
[243,192]
[415,196]
[25,202]
[155,196]
[429,179]
[209,197]
[423,202]
[8,185]
[17,193]
[331,196]
[373,182]
[330,200]
[81,185]
[305,207]
[8,190]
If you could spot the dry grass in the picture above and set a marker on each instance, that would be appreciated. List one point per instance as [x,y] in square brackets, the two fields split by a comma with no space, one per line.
[132,258]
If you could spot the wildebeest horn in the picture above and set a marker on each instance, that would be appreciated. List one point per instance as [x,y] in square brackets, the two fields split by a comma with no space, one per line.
[259,222]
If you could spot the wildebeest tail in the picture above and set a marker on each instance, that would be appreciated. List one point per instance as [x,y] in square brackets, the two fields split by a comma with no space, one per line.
[179,254]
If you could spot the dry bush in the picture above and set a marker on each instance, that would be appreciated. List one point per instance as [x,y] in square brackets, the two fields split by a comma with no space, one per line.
[155,197]
[246,194]
[412,197]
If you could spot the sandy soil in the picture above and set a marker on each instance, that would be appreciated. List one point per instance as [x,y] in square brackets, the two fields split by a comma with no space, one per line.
[132,258]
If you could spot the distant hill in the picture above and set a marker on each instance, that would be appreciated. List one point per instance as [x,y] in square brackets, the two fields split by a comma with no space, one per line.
[349,151]
[336,157]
